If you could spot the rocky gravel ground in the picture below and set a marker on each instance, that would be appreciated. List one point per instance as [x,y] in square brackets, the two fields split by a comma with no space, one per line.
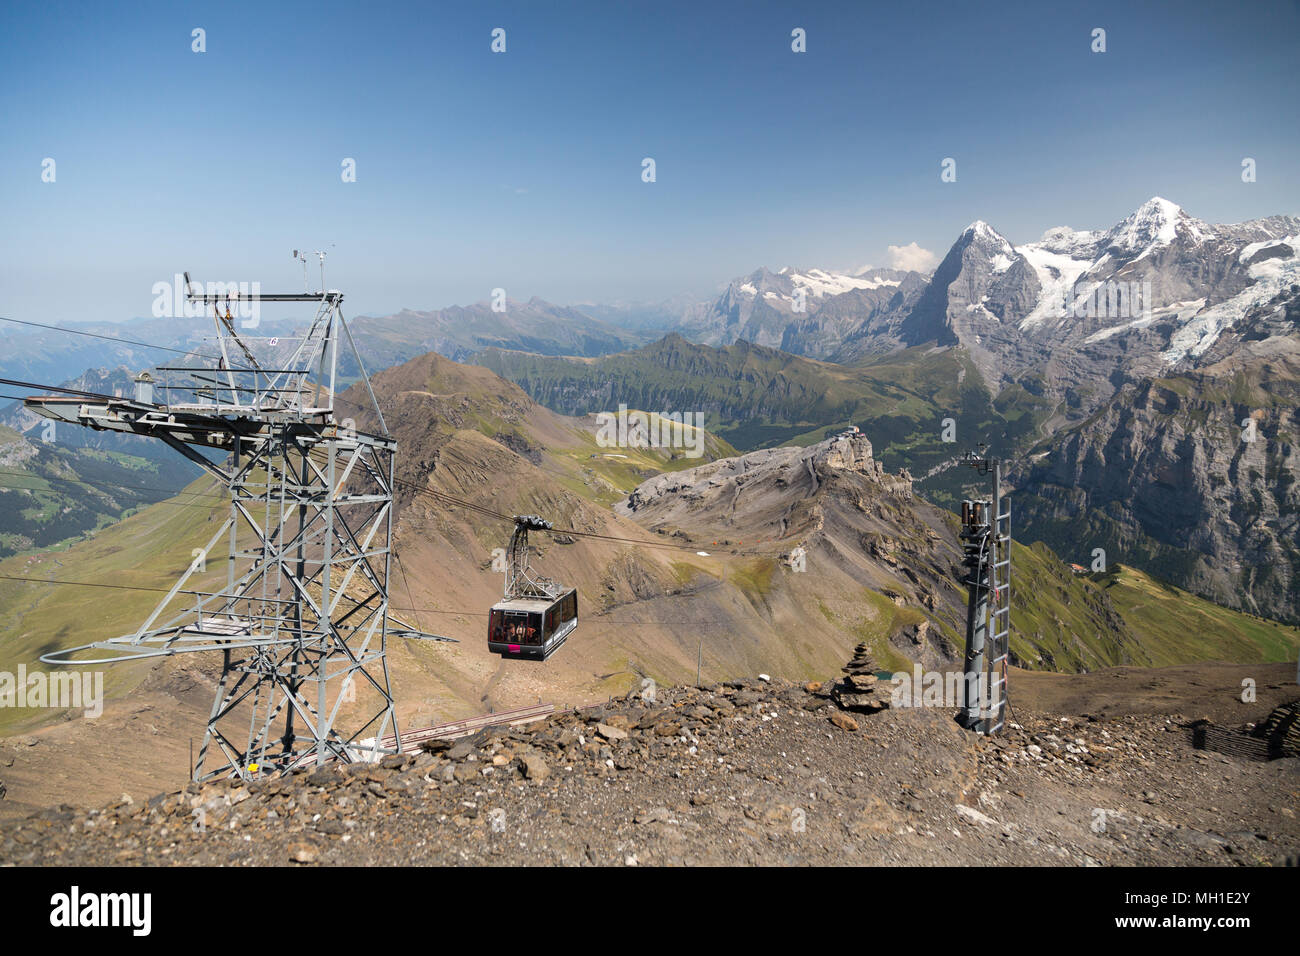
[749,772]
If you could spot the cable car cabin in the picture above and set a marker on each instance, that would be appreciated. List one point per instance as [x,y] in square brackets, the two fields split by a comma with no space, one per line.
[532,628]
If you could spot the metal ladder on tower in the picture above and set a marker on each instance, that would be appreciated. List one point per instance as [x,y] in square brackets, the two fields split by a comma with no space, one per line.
[999,640]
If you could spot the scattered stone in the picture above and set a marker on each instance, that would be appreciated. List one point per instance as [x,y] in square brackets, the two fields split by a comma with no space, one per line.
[322,776]
[610,732]
[535,768]
[843,721]
[423,760]
[973,816]
[723,784]
[461,749]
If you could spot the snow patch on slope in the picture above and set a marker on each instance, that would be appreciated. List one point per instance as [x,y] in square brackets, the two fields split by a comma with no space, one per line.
[1180,312]
[1197,335]
[819,283]
[1057,273]
[1255,247]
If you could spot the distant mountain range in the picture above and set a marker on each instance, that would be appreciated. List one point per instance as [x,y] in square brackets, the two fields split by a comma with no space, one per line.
[1057,315]
[52,355]
[1141,380]
[1076,313]
[813,312]
[1153,293]
[459,332]
[1070,317]
[1115,368]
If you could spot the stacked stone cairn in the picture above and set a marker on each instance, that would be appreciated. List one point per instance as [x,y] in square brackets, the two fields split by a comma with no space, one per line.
[860,690]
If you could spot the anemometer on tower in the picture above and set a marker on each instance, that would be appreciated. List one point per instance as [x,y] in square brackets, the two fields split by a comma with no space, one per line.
[301,256]
[986,542]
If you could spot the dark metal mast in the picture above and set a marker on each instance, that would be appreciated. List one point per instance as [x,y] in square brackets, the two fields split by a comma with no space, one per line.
[986,541]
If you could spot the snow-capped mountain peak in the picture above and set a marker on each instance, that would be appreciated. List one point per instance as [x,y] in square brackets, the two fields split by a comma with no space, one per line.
[1158,287]
[1155,223]
[990,242]
[1067,260]
[982,230]
[1159,277]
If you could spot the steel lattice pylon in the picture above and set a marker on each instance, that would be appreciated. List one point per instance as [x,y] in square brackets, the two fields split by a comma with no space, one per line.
[318,577]
[302,621]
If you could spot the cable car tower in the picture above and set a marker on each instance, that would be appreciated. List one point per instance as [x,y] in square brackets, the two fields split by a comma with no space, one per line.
[986,541]
[302,619]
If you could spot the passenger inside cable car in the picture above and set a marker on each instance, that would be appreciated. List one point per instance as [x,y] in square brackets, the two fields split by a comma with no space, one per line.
[515,628]
[535,632]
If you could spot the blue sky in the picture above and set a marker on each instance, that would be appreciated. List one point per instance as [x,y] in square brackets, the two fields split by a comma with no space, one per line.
[522,170]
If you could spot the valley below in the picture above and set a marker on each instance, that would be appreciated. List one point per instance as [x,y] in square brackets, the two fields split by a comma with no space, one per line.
[681,563]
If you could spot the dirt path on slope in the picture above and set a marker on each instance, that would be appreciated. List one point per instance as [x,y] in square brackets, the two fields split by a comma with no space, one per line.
[1213,691]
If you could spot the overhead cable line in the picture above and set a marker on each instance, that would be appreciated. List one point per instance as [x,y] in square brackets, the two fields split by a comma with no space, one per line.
[428,610]
[108,338]
[445,498]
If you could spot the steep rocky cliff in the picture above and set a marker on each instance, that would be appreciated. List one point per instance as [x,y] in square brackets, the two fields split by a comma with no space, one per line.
[1191,476]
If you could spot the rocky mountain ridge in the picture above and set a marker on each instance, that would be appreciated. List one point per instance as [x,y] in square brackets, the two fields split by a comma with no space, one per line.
[1080,312]
[805,312]
[1191,476]
[1072,314]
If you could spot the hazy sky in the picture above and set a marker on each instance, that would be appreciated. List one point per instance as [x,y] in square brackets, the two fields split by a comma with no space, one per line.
[523,169]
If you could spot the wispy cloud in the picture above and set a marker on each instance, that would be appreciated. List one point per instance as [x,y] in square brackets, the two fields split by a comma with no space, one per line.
[912,256]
